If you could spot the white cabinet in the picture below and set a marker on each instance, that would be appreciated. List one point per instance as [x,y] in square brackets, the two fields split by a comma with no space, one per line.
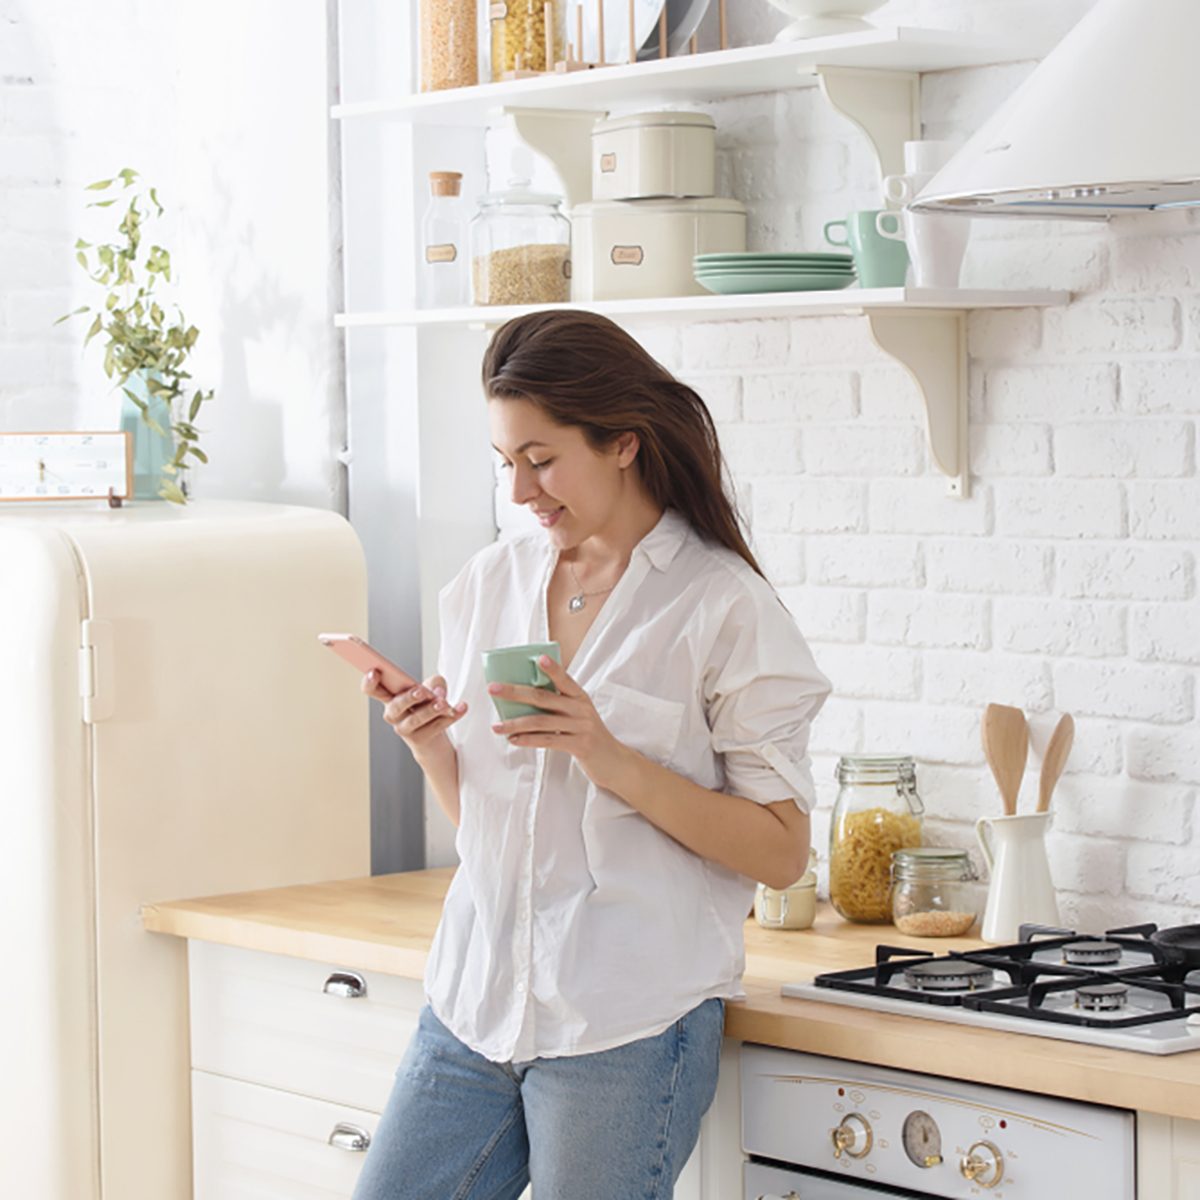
[258,1143]
[1168,1152]
[292,1064]
[300,1026]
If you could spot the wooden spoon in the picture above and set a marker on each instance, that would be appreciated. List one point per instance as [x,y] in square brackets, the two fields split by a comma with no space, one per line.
[1006,745]
[1061,741]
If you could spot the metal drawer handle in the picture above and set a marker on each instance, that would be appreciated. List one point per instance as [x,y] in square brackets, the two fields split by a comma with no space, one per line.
[349,1137]
[345,984]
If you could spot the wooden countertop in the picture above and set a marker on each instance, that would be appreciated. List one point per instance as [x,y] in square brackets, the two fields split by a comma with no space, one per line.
[386,923]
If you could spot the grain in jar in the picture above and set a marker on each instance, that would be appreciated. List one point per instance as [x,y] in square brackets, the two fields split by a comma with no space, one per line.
[449,44]
[877,812]
[520,248]
[935,892]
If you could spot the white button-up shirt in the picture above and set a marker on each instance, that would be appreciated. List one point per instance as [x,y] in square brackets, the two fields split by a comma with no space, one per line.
[573,924]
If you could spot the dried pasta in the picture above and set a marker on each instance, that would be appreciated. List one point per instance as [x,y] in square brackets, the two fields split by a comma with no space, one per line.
[860,861]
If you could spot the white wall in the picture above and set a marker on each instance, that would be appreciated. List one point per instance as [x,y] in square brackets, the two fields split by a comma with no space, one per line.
[1068,581]
[224,108]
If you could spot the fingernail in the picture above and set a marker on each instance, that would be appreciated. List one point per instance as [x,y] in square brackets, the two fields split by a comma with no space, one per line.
[497,728]
[545,660]
[494,688]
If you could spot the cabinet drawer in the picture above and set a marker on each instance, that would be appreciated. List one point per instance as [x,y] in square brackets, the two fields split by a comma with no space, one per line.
[254,1143]
[269,1019]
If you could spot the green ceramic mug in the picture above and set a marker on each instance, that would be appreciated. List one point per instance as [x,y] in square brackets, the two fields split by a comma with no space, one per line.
[878,261]
[519,664]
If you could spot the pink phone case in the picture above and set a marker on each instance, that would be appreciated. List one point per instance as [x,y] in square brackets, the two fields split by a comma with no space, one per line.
[365,657]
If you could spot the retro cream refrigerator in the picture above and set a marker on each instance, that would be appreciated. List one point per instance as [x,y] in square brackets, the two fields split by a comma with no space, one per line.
[169,727]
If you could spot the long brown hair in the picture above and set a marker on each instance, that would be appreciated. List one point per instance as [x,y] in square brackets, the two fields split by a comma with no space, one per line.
[581,369]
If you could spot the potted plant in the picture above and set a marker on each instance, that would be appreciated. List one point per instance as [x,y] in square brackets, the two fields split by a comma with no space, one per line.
[146,350]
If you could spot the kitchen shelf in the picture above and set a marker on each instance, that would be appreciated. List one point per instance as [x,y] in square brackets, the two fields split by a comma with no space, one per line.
[871,78]
[849,302]
[923,329]
[702,78]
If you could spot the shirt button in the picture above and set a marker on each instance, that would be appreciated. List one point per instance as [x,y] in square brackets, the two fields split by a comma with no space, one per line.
[521,988]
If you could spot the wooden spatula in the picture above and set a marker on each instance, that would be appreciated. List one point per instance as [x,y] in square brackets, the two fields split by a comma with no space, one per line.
[1006,745]
[1059,747]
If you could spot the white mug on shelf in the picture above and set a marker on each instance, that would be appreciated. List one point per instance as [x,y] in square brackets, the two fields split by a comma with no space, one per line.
[936,244]
[900,189]
[928,156]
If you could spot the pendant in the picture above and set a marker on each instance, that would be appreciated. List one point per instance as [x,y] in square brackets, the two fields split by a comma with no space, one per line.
[576,603]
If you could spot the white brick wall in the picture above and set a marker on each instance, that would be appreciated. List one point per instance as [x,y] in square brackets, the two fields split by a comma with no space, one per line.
[1068,581]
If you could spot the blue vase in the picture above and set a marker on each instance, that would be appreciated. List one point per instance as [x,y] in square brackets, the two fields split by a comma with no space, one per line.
[152,450]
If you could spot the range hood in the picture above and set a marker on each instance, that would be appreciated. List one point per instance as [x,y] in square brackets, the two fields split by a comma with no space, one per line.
[1108,123]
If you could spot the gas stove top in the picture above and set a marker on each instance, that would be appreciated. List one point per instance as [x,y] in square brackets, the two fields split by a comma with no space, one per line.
[1114,989]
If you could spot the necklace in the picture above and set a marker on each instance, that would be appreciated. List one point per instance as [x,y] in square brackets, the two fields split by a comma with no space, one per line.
[578,602]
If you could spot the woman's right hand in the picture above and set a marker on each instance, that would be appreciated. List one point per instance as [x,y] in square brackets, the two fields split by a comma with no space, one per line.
[421,715]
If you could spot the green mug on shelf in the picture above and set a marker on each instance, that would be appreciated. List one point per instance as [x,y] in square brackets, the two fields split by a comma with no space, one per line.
[878,261]
[519,664]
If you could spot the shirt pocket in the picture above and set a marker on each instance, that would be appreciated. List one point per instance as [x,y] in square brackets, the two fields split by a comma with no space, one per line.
[645,723]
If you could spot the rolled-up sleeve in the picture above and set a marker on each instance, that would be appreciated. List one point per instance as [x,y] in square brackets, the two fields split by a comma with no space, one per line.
[761,691]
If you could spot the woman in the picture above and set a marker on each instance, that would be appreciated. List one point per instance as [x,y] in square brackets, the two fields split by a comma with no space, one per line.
[608,846]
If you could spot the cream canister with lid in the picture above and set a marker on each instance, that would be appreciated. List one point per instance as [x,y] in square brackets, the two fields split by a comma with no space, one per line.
[638,249]
[651,155]
[793,907]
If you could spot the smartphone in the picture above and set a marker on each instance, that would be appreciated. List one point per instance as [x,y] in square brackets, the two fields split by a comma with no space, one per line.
[365,657]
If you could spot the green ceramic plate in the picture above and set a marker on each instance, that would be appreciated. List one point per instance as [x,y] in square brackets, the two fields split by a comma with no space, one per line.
[748,281]
[761,259]
[798,269]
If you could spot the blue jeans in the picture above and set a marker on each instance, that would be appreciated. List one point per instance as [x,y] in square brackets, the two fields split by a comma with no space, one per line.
[615,1125]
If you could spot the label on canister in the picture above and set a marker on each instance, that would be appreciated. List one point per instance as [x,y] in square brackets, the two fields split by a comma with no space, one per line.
[498,11]
[446,252]
[608,163]
[627,256]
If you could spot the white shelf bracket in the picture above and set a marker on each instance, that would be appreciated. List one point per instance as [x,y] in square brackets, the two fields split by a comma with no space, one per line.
[931,345]
[564,137]
[885,105]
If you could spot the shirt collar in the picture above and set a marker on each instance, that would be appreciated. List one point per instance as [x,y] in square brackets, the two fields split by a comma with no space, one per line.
[662,543]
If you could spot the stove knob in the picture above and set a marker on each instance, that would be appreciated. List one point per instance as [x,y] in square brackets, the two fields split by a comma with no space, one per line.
[853,1136]
[983,1164]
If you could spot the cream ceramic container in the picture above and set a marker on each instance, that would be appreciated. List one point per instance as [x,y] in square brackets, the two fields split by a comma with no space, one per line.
[792,908]
[626,250]
[649,155]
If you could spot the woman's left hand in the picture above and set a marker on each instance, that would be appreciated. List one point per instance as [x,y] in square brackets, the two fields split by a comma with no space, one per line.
[571,723]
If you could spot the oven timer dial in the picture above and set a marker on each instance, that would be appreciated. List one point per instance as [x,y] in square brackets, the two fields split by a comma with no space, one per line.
[983,1164]
[922,1140]
[853,1137]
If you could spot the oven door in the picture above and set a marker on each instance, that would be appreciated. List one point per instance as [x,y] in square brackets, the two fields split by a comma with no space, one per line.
[775,1183]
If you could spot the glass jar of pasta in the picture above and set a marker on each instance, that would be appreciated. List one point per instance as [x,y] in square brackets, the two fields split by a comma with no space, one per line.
[877,812]
[527,35]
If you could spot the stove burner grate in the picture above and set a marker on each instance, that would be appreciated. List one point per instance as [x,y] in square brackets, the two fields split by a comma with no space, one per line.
[1101,997]
[1092,954]
[942,975]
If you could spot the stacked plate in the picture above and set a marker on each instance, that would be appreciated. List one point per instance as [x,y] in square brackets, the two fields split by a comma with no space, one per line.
[729,274]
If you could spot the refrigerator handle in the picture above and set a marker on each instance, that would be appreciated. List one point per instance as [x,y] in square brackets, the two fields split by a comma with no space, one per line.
[96,687]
